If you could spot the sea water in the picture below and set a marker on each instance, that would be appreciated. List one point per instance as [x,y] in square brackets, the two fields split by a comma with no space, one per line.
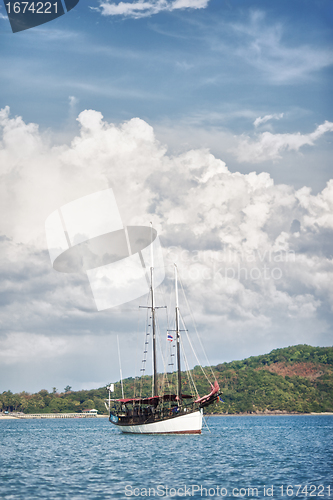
[238,457]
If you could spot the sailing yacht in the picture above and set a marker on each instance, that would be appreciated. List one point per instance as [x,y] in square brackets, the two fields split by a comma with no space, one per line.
[163,412]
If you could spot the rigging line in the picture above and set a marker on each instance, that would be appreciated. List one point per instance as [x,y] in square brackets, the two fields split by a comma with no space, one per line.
[158,344]
[145,343]
[188,369]
[204,419]
[161,292]
[195,354]
[158,336]
[173,375]
[170,382]
[190,380]
[121,374]
[196,330]
[168,307]
[136,354]
[190,352]
[165,379]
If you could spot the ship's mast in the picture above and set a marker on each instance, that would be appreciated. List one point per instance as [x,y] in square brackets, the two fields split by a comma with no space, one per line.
[179,377]
[155,388]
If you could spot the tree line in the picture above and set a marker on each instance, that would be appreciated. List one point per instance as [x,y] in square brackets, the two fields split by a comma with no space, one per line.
[251,385]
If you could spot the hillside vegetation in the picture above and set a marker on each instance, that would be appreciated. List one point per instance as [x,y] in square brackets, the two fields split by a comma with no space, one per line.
[295,379]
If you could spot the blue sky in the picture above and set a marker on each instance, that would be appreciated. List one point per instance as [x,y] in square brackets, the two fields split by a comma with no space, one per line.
[245,84]
[215,68]
[227,59]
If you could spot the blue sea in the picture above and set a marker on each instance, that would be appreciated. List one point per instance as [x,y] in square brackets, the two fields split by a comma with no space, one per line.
[238,457]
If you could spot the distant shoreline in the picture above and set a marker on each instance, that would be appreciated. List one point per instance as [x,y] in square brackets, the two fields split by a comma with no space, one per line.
[43,416]
[262,414]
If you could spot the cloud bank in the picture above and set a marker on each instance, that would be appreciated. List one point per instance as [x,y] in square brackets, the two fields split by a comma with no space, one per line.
[269,146]
[256,258]
[143,8]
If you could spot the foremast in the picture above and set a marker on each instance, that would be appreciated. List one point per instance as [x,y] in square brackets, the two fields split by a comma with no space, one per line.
[153,308]
[155,385]
[179,374]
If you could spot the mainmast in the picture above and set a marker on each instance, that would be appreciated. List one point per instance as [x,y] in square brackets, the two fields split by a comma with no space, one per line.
[155,387]
[179,386]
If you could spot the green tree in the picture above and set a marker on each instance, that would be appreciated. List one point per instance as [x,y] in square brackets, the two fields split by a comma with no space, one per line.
[88,405]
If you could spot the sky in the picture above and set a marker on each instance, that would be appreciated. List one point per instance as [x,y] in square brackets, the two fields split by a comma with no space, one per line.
[211,118]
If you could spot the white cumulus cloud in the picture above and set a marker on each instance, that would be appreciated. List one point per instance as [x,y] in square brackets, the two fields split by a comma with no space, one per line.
[143,8]
[269,146]
[255,257]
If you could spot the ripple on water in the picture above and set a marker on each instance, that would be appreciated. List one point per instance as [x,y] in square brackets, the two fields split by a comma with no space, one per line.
[89,459]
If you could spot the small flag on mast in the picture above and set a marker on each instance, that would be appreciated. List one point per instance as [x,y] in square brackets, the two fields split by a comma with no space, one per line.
[169,337]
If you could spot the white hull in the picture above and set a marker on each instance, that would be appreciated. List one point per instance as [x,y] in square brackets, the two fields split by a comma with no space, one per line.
[184,424]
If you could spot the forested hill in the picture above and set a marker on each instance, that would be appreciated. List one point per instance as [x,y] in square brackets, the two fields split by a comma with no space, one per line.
[293,379]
